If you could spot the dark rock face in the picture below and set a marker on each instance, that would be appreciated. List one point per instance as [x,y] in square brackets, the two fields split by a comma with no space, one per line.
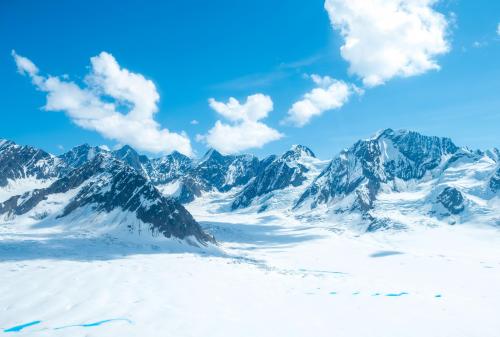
[158,171]
[452,200]
[420,153]
[297,152]
[169,168]
[495,181]
[214,172]
[107,184]
[276,173]
[78,156]
[369,163]
[225,172]
[191,188]
[138,162]
[18,162]
[217,172]
[346,174]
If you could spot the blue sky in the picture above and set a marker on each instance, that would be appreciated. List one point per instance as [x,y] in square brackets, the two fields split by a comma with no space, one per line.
[197,50]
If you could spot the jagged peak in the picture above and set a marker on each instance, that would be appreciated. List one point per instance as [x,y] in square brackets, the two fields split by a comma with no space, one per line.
[297,152]
[81,146]
[303,150]
[493,154]
[212,154]
[389,133]
[130,155]
[177,154]
[4,141]
[8,142]
[125,149]
[406,138]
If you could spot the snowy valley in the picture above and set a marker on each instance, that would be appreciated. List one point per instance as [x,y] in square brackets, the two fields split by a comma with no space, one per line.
[112,243]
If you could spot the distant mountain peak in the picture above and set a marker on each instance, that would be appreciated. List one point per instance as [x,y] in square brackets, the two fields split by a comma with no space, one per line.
[126,150]
[212,154]
[108,184]
[299,151]
[177,154]
[361,170]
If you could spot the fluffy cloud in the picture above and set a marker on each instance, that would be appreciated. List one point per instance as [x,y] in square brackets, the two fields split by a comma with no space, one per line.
[330,94]
[245,129]
[389,38]
[498,29]
[99,104]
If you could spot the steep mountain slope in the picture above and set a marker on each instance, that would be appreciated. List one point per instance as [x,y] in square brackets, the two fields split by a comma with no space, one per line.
[395,179]
[140,163]
[106,184]
[401,178]
[24,167]
[225,172]
[169,168]
[384,158]
[292,169]
[495,181]
[215,172]
[78,156]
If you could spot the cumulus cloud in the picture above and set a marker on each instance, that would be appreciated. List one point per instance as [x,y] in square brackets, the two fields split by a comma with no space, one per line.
[498,29]
[384,39]
[194,122]
[118,104]
[244,129]
[330,94]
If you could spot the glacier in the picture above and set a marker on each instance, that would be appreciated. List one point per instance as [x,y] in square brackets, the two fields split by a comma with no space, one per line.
[398,235]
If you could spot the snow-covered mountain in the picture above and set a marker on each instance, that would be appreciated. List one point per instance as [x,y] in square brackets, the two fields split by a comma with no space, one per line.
[140,163]
[401,178]
[96,219]
[215,172]
[20,162]
[394,179]
[225,172]
[78,156]
[361,169]
[277,173]
[105,185]
[24,167]
[169,168]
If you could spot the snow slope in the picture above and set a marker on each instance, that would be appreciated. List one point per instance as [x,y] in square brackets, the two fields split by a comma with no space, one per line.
[276,270]
[270,276]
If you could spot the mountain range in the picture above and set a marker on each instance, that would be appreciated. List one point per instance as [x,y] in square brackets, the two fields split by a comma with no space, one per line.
[393,180]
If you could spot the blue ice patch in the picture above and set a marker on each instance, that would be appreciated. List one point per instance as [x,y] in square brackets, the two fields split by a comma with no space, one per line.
[22,326]
[396,294]
[90,325]
[384,253]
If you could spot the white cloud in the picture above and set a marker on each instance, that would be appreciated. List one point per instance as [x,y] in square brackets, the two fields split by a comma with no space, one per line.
[330,94]
[389,38]
[498,29]
[194,122]
[109,90]
[255,108]
[244,130]
[24,65]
